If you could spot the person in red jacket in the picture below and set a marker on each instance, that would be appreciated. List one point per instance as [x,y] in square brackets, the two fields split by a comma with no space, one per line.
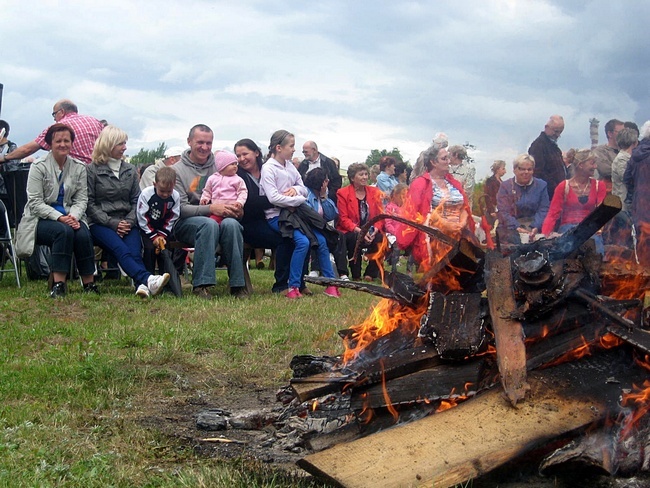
[435,199]
[357,204]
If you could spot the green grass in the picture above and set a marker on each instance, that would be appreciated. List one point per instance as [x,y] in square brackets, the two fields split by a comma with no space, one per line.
[77,375]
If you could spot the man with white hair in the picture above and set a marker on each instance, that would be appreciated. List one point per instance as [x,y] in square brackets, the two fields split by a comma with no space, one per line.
[549,164]
[314,159]
[172,155]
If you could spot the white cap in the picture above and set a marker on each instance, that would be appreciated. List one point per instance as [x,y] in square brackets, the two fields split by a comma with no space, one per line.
[173,151]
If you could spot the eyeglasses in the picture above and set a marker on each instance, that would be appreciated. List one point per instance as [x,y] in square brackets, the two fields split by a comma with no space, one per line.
[56,112]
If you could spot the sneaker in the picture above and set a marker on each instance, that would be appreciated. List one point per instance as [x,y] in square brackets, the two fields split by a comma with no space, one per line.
[293,293]
[156,283]
[332,291]
[142,291]
[91,288]
[202,292]
[58,290]
[313,274]
[344,278]
[260,265]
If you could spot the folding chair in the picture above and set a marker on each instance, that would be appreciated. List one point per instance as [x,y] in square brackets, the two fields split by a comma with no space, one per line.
[7,247]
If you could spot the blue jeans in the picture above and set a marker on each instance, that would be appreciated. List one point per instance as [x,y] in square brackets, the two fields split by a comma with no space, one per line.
[301,252]
[64,241]
[127,250]
[259,234]
[204,234]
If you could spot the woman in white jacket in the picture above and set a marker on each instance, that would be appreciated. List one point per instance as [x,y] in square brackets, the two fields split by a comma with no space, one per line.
[57,195]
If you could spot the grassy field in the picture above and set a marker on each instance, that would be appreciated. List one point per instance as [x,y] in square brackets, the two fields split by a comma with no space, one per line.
[79,374]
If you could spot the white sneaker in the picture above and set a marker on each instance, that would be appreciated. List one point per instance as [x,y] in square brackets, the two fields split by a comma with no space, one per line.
[313,274]
[344,278]
[142,291]
[156,283]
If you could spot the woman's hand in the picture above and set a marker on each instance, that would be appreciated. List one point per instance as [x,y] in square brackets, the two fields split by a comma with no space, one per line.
[69,220]
[123,228]
[290,192]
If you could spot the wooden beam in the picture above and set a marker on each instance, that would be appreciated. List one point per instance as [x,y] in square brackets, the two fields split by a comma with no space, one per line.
[508,333]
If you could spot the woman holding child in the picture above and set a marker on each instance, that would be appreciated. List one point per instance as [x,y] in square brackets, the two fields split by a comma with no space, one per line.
[281,183]
[55,212]
[113,191]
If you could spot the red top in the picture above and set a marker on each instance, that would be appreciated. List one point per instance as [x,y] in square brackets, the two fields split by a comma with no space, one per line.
[348,205]
[86,131]
[566,207]
[417,206]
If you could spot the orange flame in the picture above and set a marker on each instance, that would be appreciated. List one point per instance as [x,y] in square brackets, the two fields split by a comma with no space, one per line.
[389,404]
[639,398]
[385,317]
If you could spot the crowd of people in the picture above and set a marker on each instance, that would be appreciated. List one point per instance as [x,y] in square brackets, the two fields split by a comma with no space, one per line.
[83,195]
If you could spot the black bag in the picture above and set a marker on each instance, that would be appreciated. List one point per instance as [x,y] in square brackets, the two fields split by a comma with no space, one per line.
[167,264]
[37,265]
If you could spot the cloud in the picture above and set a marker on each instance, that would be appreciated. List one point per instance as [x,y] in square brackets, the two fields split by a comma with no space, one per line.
[354,76]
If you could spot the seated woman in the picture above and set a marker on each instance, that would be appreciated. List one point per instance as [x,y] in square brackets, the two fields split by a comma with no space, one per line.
[522,202]
[113,191]
[55,212]
[435,199]
[317,182]
[282,185]
[257,231]
[357,204]
[576,198]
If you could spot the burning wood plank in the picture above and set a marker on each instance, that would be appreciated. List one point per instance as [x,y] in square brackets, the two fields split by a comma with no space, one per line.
[508,333]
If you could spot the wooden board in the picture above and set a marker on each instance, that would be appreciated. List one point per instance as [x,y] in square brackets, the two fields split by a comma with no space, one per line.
[453,446]
[508,333]
[480,434]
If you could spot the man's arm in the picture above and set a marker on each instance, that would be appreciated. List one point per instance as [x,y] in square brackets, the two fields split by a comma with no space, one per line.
[21,152]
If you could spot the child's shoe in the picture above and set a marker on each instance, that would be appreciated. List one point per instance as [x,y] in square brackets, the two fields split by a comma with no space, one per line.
[293,293]
[332,291]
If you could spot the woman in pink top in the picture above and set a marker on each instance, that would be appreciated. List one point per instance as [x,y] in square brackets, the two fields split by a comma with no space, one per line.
[576,198]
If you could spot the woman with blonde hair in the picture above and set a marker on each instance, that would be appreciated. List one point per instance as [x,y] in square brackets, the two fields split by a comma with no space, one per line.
[576,198]
[113,191]
[522,202]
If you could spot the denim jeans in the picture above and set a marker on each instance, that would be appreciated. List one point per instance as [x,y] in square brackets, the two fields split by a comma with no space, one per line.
[259,234]
[301,252]
[127,250]
[64,241]
[204,234]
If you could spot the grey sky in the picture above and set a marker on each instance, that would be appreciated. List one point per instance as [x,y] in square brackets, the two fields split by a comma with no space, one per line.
[354,76]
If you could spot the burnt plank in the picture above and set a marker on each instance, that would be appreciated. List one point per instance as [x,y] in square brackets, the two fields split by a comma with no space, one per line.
[454,323]
[508,333]
[431,384]
[317,385]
